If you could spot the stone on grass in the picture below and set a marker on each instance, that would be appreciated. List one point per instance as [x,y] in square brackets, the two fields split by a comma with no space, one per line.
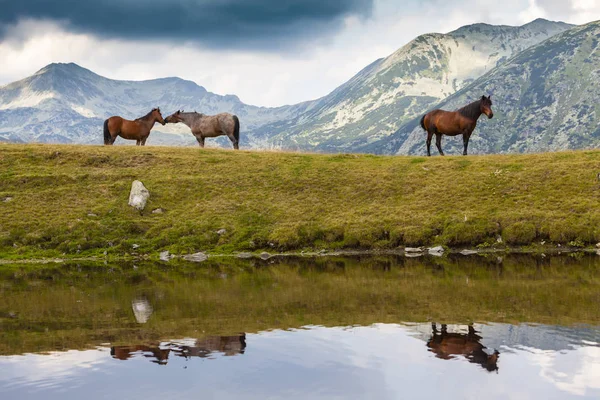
[265,255]
[436,251]
[158,211]
[165,255]
[138,196]
[413,250]
[469,252]
[244,255]
[221,232]
[196,257]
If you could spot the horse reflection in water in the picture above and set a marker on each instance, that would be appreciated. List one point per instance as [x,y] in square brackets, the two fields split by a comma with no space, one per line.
[447,345]
[205,347]
[226,345]
[126,352]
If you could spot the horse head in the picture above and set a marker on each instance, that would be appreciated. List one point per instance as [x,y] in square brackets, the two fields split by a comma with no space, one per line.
[157,115]
[486,106]
[174,118]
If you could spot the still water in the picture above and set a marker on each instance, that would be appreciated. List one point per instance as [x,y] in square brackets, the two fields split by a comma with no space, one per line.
[517,327]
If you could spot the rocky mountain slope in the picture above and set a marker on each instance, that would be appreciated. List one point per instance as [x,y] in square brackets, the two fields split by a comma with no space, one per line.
[545,99]
[65,103]
[391,91]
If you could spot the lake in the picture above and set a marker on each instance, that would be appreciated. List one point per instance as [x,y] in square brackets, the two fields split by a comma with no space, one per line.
[361,327]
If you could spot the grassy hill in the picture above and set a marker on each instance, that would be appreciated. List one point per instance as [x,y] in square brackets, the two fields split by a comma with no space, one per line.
[72,200]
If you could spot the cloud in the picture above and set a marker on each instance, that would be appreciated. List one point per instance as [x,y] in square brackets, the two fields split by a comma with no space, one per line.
[213,23]
[573,11]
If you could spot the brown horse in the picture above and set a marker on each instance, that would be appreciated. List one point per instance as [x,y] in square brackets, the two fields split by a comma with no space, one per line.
[204,126]
[454,123]
[137,130]
[448,345]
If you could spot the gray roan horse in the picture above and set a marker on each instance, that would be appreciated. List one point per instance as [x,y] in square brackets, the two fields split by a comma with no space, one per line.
[137,130]
[204,126]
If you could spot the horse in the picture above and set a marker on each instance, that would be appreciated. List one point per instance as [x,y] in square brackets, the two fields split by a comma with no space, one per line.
[452,123]
[447,345]
[204,126]
[137,130]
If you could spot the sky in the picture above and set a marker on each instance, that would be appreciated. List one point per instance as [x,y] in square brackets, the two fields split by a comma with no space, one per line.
[267,52]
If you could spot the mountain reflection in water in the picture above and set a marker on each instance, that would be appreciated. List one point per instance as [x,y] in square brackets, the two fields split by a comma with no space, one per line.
[383,361]
[317,328]
[203,348]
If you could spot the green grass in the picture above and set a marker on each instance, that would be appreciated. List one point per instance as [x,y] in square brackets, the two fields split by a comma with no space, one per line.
[287,201]
[55,307]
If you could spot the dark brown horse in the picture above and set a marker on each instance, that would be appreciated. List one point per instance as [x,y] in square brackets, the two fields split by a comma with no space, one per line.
[137,130]
[204,126]
[447,345]
[454,123]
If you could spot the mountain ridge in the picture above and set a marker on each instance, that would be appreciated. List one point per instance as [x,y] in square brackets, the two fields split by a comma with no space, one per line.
[65,103]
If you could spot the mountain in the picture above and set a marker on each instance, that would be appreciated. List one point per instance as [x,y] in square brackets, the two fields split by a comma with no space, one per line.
[545,99]
[65,103]
[391,91]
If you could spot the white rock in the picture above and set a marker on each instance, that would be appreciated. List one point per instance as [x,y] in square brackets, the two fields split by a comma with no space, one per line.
[158,211]
[138,196]
[221,232]
[196,257]
[165,256]
[469,252]
[436,251]
[413,250]
[244,255]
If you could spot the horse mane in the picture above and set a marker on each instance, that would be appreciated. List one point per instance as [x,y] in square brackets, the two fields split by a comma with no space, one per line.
[472,111]
[193,113]
[147,115]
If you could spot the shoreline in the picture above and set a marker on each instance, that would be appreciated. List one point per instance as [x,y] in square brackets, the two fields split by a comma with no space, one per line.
[464,252]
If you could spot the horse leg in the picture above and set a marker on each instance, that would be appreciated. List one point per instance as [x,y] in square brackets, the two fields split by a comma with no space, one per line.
[236,145]
[137,142]
[466,137]
[144,141]
[438,142]
[200,140]
[471,330]
[429,136]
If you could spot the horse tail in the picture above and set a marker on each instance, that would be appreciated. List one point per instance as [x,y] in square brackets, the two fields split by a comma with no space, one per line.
[423,122]
[107,136]
[236,128]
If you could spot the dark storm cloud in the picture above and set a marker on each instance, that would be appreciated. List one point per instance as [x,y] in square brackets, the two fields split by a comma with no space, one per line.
[230,23]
